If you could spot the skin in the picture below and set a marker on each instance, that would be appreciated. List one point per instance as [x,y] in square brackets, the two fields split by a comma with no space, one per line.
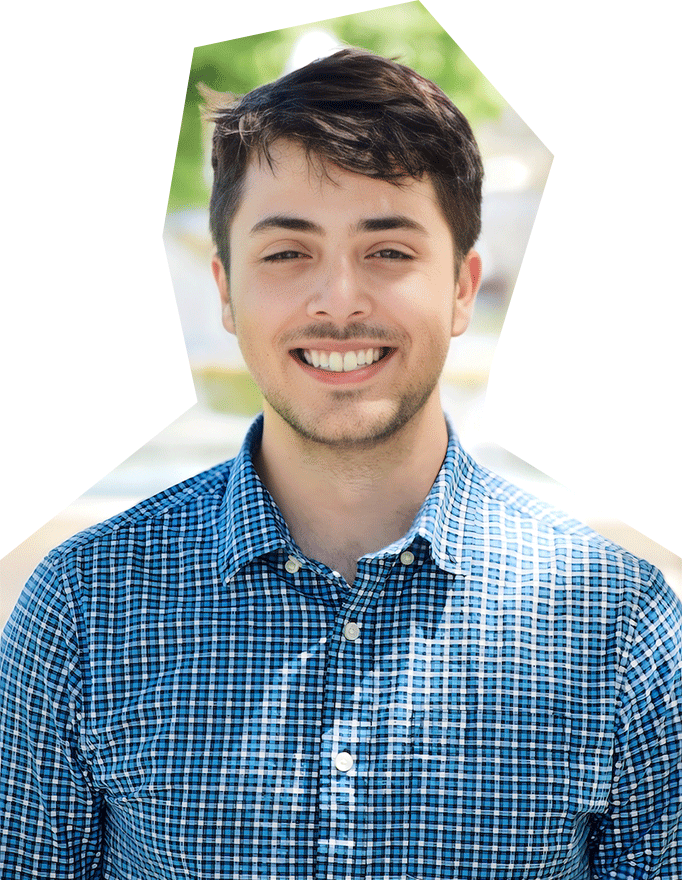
[340,262]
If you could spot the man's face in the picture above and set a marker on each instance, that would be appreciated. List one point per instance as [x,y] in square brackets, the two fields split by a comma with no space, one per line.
[343,294]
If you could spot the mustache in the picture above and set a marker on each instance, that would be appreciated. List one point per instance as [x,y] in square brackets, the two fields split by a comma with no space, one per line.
[330,331]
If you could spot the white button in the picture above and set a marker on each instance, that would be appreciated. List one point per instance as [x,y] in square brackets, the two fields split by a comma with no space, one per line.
[406,557]
[343,761]
[292,565]
[351,631]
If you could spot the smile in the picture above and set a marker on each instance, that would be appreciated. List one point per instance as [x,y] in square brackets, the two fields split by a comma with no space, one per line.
[342,362]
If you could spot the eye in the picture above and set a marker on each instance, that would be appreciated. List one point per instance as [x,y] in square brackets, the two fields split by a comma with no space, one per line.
[283,255]
[391,254]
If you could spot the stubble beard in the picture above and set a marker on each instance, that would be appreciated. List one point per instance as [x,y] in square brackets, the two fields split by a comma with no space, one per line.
[360,430]
[351,422]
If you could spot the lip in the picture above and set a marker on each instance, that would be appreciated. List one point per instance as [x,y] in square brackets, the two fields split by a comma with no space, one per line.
[353,377]
[342,347]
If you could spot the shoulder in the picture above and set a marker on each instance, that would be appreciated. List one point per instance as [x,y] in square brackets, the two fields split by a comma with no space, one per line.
[599,595]
[499,496]
[544,539]
[180,510]
[495,498]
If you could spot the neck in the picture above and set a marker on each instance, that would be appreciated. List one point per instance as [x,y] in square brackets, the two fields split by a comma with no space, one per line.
[343,502]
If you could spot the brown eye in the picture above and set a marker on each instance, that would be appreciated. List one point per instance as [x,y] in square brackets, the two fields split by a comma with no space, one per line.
[283,255]
[391,254]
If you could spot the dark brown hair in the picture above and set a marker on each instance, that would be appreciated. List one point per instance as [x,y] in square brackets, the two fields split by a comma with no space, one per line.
[360,112]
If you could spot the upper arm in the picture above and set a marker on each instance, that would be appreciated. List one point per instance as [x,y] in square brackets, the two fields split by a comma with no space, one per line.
[49,825]
[640,834]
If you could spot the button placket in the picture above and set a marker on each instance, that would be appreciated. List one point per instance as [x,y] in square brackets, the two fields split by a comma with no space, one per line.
[348,698]
[344,750]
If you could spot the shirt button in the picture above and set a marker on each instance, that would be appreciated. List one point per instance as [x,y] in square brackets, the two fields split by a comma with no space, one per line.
[343,761]
[351,631]
[406,557]
[292,565]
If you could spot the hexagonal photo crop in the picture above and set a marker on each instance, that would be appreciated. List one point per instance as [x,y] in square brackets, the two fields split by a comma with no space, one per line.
[516,166]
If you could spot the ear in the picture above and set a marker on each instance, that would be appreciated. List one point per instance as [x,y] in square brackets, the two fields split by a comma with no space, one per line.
[224,287]
[468,282]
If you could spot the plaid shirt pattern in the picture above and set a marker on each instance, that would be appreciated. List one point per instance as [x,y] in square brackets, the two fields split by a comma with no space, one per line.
[496,696]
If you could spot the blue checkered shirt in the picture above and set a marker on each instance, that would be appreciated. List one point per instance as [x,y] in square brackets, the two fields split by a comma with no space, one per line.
[186,695]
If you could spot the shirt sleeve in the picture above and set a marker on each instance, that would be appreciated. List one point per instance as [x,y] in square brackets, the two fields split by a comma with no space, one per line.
[640,835]
[49,812]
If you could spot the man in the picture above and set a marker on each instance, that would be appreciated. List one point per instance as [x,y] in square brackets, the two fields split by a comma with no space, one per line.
[351,651]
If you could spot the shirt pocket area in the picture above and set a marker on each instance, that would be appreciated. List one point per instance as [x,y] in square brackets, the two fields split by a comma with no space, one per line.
[485,760]
[491,794]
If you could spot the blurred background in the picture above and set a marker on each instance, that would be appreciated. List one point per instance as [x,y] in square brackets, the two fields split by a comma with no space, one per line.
[517,165]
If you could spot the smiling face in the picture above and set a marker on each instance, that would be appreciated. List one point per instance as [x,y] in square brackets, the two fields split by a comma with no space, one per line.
[343,293]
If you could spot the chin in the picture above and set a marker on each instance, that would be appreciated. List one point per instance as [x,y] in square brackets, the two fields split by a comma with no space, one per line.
[348,428]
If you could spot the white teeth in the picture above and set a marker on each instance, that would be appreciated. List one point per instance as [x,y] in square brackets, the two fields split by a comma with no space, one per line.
[350,361]
[335,362]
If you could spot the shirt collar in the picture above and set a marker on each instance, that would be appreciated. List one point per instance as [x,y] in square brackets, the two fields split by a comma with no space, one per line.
[442,520]
[252,522]
[253,525]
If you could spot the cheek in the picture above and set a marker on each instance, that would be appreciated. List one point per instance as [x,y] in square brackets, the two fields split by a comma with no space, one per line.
[429,309]
[258,328]
[256,311]
[429,291]
[439,341]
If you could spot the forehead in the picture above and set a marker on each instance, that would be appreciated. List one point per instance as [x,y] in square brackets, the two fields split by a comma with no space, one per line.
[298,184]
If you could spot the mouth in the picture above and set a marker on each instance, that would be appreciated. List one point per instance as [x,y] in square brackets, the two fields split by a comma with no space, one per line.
[341,362]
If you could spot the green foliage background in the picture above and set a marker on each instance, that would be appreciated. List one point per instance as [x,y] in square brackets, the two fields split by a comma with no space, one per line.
[406,32]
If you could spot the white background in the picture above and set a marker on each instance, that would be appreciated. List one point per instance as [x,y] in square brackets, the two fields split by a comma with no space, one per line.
[92,353]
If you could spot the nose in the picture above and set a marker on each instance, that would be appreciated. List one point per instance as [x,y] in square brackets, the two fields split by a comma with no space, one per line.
[338,295]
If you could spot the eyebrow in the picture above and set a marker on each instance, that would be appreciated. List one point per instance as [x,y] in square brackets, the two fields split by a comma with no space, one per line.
[369,224]
[393,221]
[283,221]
